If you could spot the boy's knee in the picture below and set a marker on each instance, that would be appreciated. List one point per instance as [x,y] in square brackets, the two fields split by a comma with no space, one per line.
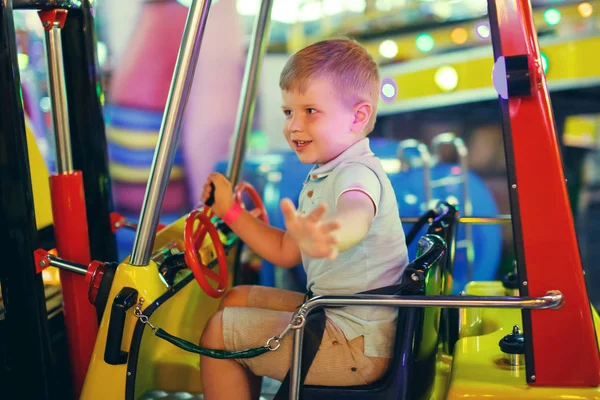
[212,336]
[236,297]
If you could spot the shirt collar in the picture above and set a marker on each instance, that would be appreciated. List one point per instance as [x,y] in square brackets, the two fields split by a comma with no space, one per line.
[360,148]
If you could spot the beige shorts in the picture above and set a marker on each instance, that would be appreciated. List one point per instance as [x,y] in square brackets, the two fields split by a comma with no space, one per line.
[338,362]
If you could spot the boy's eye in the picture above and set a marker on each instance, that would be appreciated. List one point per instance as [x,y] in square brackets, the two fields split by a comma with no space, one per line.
[287,112]
[311,110]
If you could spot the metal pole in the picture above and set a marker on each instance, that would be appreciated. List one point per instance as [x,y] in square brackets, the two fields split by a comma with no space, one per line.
[58,96]
[500,219]
[464,168]
[68,206]
[170,130]
[425,157]
[552,299]
[461,150]
[296,363]
[243,122]
[78,269]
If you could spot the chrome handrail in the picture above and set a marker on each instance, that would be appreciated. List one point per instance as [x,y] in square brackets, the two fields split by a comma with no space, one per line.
[552,299]
[472,220]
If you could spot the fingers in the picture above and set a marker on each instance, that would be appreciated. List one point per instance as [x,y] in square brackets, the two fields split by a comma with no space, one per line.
[288,210]
[218,179]
[206,191]
[330,226]
[317,213]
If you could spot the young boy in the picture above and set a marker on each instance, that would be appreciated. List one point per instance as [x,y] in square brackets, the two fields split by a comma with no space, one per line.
[346,232]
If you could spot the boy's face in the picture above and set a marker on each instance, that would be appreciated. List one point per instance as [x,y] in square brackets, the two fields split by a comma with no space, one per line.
[318,125]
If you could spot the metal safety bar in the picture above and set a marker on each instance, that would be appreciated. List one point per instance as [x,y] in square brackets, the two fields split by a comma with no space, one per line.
[450,138]
[47,4]
[552,299]
[500,219]
[66,265]
[243,123]
[425,158]
[170,129]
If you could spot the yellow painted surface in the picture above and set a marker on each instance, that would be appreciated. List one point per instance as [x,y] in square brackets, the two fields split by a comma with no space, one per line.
[40,182]
[160,364]
[479,370]
[568,60]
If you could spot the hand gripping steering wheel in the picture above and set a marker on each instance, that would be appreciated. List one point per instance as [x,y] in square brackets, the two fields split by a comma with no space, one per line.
[193,241]
[195,237]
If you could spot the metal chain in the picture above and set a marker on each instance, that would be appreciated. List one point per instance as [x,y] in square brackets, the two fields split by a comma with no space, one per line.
[273,343]
[298,320]
[143,318]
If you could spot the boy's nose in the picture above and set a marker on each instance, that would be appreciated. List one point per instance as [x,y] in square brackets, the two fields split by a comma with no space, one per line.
[296,125]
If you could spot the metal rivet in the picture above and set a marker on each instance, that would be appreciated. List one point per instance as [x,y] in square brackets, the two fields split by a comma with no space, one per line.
[514,185]
[533,377]
[524,283]
[128,373]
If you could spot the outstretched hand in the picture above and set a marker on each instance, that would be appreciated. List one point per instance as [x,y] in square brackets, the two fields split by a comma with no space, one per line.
[313,236]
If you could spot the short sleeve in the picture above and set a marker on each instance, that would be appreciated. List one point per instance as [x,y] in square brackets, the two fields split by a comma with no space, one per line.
[359,177]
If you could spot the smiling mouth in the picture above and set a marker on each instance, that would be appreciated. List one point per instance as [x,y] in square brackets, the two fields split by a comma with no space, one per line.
[300,144]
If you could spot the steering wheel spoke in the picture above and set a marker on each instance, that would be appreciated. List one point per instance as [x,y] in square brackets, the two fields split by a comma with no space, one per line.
[194,237]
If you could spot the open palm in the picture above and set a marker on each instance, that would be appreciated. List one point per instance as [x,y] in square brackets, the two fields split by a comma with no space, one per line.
[313,236]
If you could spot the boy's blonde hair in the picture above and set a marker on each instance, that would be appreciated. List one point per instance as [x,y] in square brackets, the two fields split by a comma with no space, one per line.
[345,62]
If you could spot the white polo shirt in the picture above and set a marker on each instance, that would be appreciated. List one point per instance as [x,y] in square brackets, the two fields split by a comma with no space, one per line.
[378,260]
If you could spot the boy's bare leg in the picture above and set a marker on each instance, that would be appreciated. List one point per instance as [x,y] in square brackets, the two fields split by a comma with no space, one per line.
[225,379]
[268,298]
[236,297]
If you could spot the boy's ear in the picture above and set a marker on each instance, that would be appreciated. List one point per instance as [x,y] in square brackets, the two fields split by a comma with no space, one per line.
[362,115]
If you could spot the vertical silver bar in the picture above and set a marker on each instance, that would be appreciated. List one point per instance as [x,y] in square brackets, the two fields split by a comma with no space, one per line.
[461,150]
[243,123]
[296,364]
[468,211]
[425,158]
[170,129]
[58,98]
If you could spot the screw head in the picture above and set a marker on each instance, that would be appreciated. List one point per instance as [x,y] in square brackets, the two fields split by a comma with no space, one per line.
[514,185]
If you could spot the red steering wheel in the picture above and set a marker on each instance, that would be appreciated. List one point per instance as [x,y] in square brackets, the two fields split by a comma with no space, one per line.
[259,210]
[193,241]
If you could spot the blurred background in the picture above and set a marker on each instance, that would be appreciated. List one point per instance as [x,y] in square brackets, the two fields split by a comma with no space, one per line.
[435,59]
